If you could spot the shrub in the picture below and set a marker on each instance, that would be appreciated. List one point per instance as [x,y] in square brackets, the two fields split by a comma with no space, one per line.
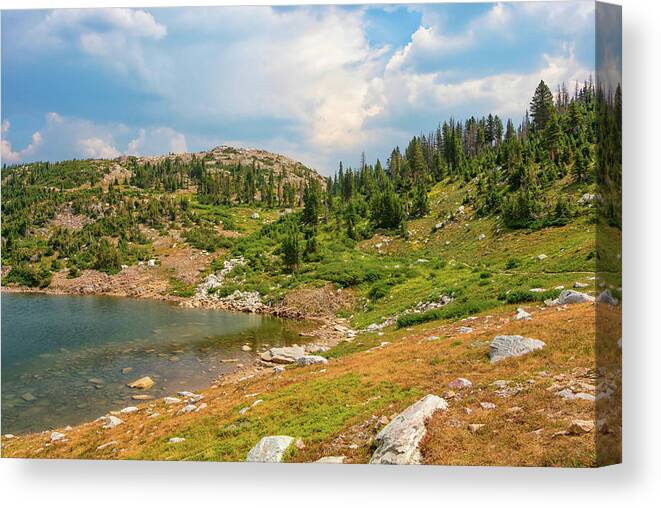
[29,276]
[452,311]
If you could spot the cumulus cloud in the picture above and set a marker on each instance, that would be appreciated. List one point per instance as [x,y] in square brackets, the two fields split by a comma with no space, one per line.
[8,155]
[307,81]
[158,140]
[68,137]
[94,147]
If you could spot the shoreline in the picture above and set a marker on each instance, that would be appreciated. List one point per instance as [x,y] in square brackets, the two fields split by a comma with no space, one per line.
[326,333]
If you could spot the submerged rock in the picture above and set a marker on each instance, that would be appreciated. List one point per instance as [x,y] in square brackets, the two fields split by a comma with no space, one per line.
[270,449]
[142,383]
[397,443]
[505,346]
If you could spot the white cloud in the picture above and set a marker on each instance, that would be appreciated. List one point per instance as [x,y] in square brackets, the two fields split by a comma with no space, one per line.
[507,94]
[63,137]
[95,147]
[8,155]
[156,141]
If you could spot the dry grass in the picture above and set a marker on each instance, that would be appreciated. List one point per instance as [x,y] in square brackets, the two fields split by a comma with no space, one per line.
[338,408]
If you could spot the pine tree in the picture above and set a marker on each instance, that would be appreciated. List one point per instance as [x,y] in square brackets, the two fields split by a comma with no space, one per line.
[541,107]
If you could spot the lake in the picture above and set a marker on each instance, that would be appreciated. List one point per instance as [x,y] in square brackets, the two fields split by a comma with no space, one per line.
[63,356]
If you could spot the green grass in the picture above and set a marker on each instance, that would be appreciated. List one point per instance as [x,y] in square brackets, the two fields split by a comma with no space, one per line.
[313,411]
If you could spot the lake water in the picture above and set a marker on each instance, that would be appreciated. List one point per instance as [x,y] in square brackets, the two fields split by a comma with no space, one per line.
[63,356]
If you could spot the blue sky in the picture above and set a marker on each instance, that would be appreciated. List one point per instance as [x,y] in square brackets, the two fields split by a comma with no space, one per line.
[318,83]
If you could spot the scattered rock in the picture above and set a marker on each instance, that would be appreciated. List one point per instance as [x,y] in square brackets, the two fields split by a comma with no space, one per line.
[505,346]
[129,410]
[171,400]
[278,369]
[586,199]
[310,360]
[336,460]
[537,290]
[465,329]
[541,257]
[481,237]
[96,381]
[460,383]
[107,444]
[569,297]
[475,428]
[283,355]
[110,421]
[270,449]
[398,442]
[521,314]
[246,348]
[581,285]
[56,436]
[192,397]
[187,409]
[151,263]
[142,383]
[176,440]
[142,397]
[580,427]
[487,405]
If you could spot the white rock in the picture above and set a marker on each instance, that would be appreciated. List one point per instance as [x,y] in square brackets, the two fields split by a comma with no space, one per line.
[481,237]
[336,460]
[129,410]
[56,436]
[460,383]
[504,346]
[541,257]
[151,263]
[283,355]
[270,449]
[465,329]
[310,360]
[246,348]
[569,297]
[581,285]
[176,440]
[397,443]
[521,314]
[171,400]
[487,405]
[187,409]
[111,421]
[192,397]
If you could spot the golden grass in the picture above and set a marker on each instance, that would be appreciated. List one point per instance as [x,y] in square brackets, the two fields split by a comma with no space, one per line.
[352,392]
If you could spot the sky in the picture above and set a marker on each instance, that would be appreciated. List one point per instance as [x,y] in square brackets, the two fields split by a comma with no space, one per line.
[318,83]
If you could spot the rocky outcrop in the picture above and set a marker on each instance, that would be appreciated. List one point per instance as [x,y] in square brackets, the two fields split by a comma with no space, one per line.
[270,449]
[397,443]
[505,346]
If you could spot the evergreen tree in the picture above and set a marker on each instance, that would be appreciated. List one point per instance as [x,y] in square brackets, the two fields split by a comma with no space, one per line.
[541,107]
